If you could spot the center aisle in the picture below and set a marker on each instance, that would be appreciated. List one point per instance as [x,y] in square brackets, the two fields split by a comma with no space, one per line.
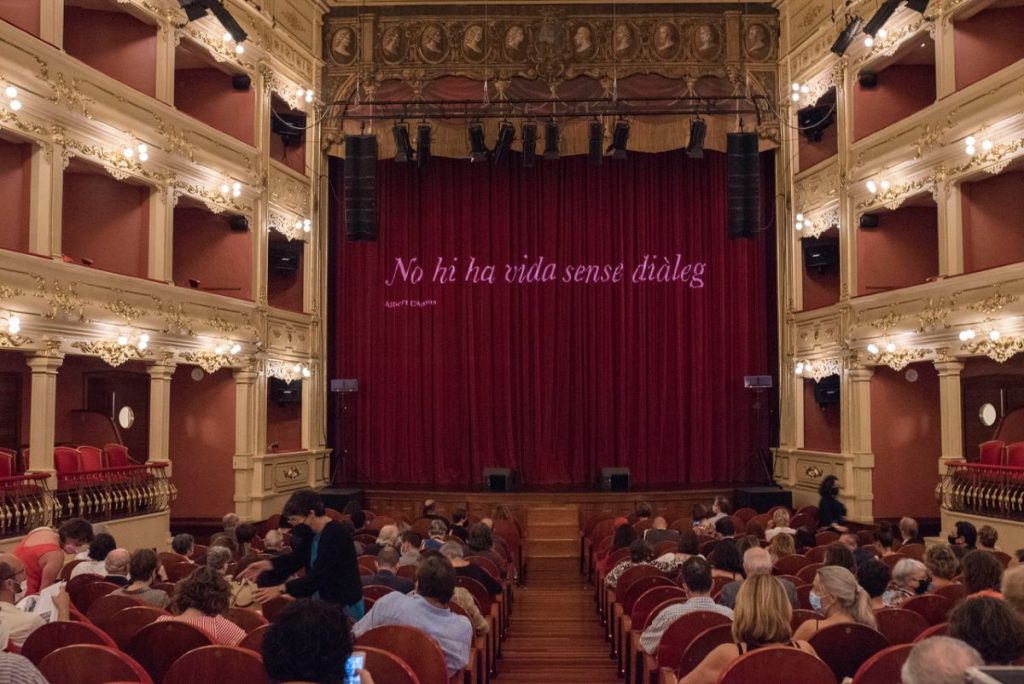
[556,635]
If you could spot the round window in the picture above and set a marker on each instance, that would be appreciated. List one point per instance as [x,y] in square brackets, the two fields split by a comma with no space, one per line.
[126,417]
[988,414]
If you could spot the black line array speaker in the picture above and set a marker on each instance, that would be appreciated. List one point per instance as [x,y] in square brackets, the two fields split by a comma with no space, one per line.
[744,185]
[762,499]
[500,479]
[361,187]
[613,480]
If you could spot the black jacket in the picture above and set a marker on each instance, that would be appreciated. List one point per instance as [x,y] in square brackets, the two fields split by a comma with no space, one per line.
[831,511]
[335,575]
[389,579]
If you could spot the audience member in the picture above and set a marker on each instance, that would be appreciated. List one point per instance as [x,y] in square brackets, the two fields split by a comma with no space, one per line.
[322,548]
[805,539]
[463,598]
[201,599]
[242,594]
[725,529]
[659,533]
[982,573]
[852,543]
[1013,588]
[621,539]
[438,532]
[350,530]
[273,543]
[412,543]
[836,595]
[16,623]
[884,541]
[988,538]
[184,545]
[756,530]
[747,541]
[230,523]
[909,579]
[427,609]
[840,555]
[454,552]
[17,669]
[388,536]
[101,545]
[387,563]
[223,541]
[309,642]
[642,511]
[990,626]
[116,565]
[42,551]
[354,510]
[460,523]
[699,513]
[244,534]
[430,511]
[1017,557]
[696,578]
[762,620]
[873,577]
[942,564]
[726,561]
[831,511]
[721,508]
[481,543]
[963,538]
[640,553]
[142,568]
[939,660]
[687,547]
[909,532]
[781,546]
[780,524]
[756,561]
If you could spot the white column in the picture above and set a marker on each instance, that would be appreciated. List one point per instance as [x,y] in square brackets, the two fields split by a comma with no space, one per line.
[246,433]
[160,374]
[51,22]
[857,442]
[945,65]
[951,236]
[950,411]
[46,200]
[43,409]
[161,234]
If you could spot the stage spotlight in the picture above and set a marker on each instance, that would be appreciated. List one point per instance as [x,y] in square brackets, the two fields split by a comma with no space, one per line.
[422,144]
[918,6]
[506,134]
[196,9]
[403,148]
[529,143]
[596,143]
[882,15]
[477,146]
[551,140]
[620,136]
[695,145]
[845,38]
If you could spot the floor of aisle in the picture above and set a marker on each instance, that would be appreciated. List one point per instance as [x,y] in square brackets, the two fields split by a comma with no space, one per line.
[556,634]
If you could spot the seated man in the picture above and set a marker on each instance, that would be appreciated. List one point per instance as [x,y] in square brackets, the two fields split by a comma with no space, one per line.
[387,562]
[412,542]
[696,576]
[438,532]
[273,543]
[756,561]
[17,623]
[455,554]
[427,609]
[309,642]
[388,536]
[117,567]
[725,529]
[96,556]
[460,524]
[909,532]
[660,533]
[184,545]
[939,660]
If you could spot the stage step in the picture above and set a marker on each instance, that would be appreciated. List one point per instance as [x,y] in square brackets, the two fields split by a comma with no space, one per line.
[552,531]
[552,514]
[552,548]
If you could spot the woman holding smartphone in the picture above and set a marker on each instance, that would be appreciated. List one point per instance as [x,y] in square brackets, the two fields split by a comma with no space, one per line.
[312,642]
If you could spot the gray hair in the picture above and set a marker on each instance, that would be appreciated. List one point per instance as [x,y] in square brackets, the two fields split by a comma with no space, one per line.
[273,540]
[438,528]
[939,660]
[757,561]
[116,562]
[217,557]
[907,567]
[452,550]
[388,535]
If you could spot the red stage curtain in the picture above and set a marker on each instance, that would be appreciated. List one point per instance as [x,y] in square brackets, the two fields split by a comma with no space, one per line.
[553,379]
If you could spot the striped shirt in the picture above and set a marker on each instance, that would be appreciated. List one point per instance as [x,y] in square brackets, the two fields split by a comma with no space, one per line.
[222,630]
[651,637]
[16,669]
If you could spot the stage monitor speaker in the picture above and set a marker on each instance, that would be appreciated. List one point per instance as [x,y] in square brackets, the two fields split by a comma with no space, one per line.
[241,81]
[284,257]
[344,384]
[744,189]
[500,479]
[820,255]
[761,499]
[614,480]
[361,187]
[337,498]
[826,391]
[283,392]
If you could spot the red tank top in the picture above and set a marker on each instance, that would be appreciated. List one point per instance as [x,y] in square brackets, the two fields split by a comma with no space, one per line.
[29,556]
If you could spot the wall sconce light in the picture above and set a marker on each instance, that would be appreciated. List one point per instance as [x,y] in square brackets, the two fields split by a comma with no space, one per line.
[304,94]
[140,342]
[799,222]
[971,145]
[881,186]
[232,189]
[134,150]
[799,90]
[305,225]
[13,324]
[12,98]
[869,41]
[228,39]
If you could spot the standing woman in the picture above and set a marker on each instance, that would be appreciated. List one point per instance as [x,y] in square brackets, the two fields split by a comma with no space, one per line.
[42,551]
[323,548]
[831,511]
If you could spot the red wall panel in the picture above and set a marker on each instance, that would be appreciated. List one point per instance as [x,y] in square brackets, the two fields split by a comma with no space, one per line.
[106,221]
[207,95]
[115,43]
[902,251]
[986,43]
[15,189]
[821,423]
[206,249]
[991,221]
[902,90]
[22,13]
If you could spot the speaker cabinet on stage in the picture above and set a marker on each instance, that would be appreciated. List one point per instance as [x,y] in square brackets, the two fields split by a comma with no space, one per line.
[500,479]
[761,499]
[337,497]
[744,189]
[614,480]
[361,187]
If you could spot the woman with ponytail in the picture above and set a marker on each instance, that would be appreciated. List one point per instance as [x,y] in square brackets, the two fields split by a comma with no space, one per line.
[836,595]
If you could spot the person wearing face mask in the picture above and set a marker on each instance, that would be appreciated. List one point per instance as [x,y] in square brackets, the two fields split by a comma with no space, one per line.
[42,550]
[963,538]
[909,579]
[831,511]
[15,622]
[836,595]
[323,548]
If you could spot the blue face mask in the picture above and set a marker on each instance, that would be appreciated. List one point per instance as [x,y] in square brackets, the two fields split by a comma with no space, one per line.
[815,601]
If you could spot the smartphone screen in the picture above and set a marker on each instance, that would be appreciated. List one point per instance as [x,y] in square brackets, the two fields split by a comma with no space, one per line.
[353,665]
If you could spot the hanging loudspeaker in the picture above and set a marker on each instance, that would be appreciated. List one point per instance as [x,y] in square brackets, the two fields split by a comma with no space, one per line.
[744,185]
[361,187]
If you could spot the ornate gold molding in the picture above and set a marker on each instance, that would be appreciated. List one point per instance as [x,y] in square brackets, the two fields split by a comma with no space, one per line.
[290,227]
[289,371]
[211,362]
[899,359]
[1001,350]
[112,353]
[9,341]
[820,368]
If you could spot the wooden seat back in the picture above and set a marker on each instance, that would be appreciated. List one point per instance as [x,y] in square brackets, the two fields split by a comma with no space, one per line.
[125,624]
[414,646]
[791,564]
[254,639]
[158,645]
[932,607]
[681,632]
[53,635]
[940,629]
[954,592]
[178,571]
[105,607]
[651,599]
[387,667]
[223,664]
[483,599]
[83,598]
[777,666]
[65,572]
[885,666]
[246,618]
[92,664]
[845,647]
[701,645]
[802,615]
[639,586]
[274,607]
[900,626]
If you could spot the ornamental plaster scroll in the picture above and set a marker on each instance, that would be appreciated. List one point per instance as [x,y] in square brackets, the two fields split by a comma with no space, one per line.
[821,187]
[900,358]
[287,224]
[113,353]
[289,371]
[898,193]
[1000,350]
[816,223]
[288,192]
[816,369]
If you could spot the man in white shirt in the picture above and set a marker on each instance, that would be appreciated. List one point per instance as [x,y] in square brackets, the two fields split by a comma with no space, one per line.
[696,574]
[96,556]
[17,623]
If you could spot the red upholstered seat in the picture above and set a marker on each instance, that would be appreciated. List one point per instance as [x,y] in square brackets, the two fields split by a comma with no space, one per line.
[816,554]
[701,645]
[935,630]
[1015,454]
[883,667]
[254,639]
[900,626]
[275,606]
[826,538]
[117,455]
[932,607]
[991,452]
[484,601]
[777,666]
[807,573]
[653,598]
[66,460]
[640,586]
[661,548]
[845,647]
[54,635]
[802,615]
[8,462]
[915,551]
[84,595]
[681,632]
[803,520]
[91,664]
[246,618]
[745,514]
[486,564]
[792,564]
[65,572]
[803,594]
[387,667]
[893,558]
[179,571]
[414,646]
[367,565]
[159,644]
[92,458]
[221,664]
[954,592]
[125,624]
[375,591]
[1003,558]
[407,571]
[105,607]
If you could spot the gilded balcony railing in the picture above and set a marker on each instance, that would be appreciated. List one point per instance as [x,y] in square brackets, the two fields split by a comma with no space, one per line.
[25,504]
[114,492]
[988,490]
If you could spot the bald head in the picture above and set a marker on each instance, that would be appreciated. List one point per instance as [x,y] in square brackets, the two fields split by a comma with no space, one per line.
[757,561]
[388,535]
[939,660]
[660,523]
[117,562]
